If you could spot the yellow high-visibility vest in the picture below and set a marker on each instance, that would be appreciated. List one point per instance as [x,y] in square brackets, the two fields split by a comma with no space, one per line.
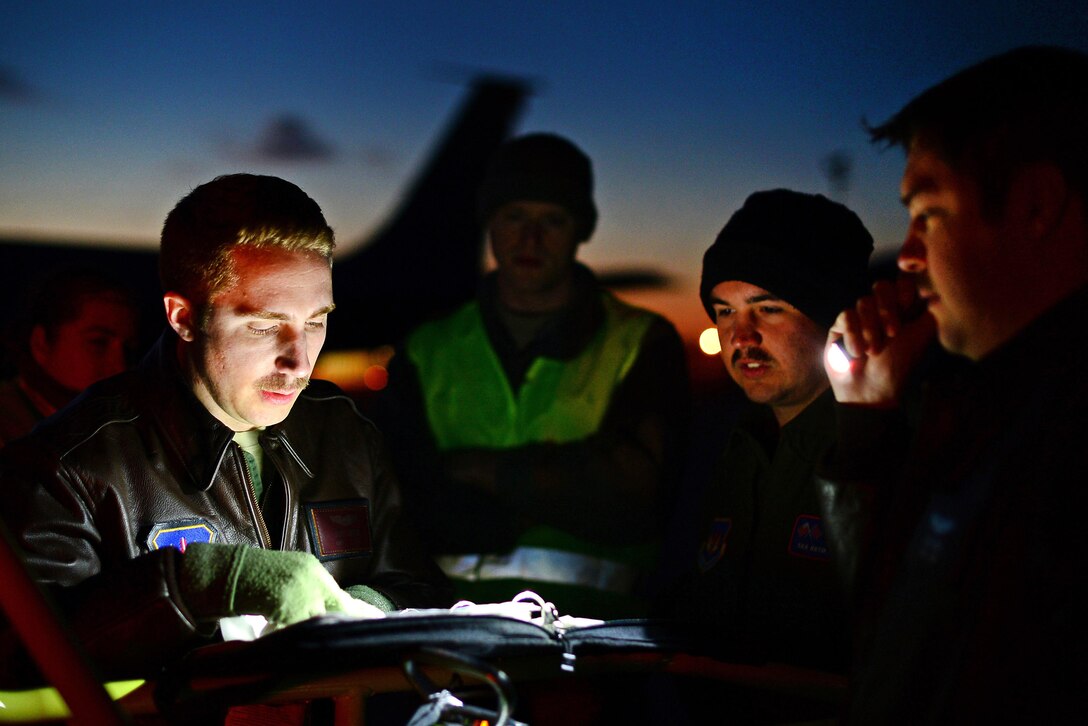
[470,404]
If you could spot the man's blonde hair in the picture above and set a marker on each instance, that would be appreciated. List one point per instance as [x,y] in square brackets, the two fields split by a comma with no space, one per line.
[232,211]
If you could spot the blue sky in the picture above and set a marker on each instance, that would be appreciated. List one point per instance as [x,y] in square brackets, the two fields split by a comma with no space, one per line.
[111,111]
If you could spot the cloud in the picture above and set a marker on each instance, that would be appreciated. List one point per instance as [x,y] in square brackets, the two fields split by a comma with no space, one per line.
[289,138]
[13,89]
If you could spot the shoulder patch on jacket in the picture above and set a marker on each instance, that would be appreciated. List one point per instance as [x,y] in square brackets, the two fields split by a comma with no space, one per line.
[339,528]
[715,543]
[807,539]
[180,533]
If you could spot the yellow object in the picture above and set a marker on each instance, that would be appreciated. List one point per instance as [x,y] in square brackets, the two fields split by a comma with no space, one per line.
[470,404]
[469,401]
[46,704]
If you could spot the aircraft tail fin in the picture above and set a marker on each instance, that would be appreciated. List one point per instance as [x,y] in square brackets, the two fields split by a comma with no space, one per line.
[426,259]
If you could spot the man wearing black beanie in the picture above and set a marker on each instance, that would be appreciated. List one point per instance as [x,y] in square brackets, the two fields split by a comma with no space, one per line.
[763,586]
[537,429]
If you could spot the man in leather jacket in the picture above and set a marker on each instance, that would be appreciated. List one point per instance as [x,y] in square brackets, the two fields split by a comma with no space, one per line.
[211,481]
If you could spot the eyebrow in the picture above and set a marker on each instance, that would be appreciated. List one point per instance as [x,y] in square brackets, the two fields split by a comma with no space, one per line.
[101,330]
[919,186]
[270,315]
[762,297]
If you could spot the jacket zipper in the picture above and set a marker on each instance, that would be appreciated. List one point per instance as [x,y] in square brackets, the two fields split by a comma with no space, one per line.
[258,515]
[289,513]
[286,536]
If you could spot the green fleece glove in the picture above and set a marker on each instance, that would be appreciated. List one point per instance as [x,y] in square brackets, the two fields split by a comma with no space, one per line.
[371,596]
[221,580]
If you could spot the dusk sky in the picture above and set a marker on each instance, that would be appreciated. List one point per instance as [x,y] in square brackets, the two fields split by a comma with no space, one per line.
[112,111]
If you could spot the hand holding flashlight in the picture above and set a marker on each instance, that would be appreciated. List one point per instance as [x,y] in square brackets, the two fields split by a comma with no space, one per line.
[873,346]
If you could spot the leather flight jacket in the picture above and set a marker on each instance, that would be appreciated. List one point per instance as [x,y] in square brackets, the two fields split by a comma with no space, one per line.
[104,496]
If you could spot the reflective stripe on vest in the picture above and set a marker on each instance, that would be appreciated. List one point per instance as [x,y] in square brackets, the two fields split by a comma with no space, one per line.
[542,565]
[470,404]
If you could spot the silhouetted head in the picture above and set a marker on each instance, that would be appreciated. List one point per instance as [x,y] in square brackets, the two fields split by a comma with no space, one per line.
[1025,106]
[232,211]
[541,168]
[78,326]
[806,249]
[994,184]
[537,204]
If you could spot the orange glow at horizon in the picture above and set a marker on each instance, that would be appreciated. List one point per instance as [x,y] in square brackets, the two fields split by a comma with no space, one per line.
[679,303]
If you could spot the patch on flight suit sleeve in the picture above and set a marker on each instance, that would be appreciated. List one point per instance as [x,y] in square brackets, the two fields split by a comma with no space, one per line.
[340,528]
[714,545]
[180,533]
[808,540]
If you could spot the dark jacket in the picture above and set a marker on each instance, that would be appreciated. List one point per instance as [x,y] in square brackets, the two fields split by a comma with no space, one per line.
[20,410]
[763,586]
[974,537]
[137,454]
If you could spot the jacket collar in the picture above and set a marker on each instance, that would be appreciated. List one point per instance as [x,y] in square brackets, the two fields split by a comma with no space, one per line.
[199,441]
[807,434]
[1048,357]
[1053,342]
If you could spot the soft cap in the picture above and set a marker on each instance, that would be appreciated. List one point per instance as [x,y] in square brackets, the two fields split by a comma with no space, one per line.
[804,248]
[541,168]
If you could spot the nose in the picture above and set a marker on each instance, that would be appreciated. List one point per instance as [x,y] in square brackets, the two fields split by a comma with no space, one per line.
[912,256]
[293,357]
[744,333]
[532,231]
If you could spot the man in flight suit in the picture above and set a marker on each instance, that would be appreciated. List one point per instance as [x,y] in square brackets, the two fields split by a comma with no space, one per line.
[764,587]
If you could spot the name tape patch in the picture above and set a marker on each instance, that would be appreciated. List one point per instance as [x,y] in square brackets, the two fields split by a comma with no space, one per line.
[340,528]
[807,539]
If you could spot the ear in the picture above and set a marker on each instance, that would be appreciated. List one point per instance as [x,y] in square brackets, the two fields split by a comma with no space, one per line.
[181,315]
[1037,201]
[39,344]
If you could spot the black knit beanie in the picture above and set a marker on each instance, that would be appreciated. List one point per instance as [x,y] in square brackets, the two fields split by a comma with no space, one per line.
[541,168]
[804,248]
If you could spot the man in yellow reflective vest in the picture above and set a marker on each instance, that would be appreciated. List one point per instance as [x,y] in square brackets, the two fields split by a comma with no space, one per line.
[537,428]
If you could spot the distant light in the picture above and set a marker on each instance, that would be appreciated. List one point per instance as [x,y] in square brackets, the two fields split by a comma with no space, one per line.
[351,369]
[837,360]
[709,343]
[376,378]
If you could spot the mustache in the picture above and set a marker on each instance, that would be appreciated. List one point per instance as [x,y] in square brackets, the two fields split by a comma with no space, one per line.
[922,282]
[280,382]
[753,354]
[918,280]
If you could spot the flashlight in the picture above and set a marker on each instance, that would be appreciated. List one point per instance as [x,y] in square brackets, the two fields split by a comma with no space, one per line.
[838,360]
